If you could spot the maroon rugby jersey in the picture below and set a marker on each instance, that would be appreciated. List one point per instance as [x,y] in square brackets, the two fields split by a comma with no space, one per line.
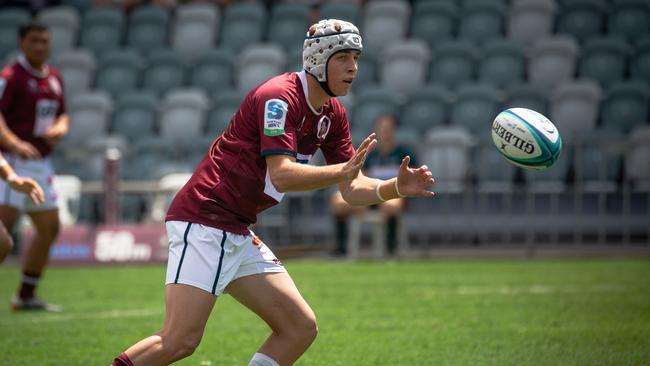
[231,185]
[31,102]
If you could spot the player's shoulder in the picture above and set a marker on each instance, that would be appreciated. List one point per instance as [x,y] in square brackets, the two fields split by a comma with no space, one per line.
[52,70]
[10,71]
[283,86]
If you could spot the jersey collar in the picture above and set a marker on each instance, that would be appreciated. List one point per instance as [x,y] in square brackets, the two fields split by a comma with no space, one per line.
[303,80]
[23,62]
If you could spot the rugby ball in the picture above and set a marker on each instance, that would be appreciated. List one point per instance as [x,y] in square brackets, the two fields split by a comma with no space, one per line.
[526,138]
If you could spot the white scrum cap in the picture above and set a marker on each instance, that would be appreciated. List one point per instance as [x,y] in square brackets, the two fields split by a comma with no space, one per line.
[324,39]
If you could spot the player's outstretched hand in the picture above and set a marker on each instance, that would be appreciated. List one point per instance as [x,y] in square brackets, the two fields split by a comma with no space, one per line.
[353,166]
[29,187]
[414,182]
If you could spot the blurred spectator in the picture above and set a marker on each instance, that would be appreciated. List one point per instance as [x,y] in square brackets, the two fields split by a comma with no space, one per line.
[382,163]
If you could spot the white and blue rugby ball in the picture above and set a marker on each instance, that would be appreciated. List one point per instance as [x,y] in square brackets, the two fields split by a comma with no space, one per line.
[526,138]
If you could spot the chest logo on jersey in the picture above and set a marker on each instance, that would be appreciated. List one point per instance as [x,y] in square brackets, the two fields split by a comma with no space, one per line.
[323,127]
[275,115]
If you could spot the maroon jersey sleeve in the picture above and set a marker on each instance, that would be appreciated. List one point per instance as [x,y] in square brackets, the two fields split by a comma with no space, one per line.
[277,118]
[6,89]
[337,147]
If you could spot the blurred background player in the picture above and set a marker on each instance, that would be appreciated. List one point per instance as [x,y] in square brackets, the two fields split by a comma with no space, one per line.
[32,122]
[24,185]
[247,170]
[382,163]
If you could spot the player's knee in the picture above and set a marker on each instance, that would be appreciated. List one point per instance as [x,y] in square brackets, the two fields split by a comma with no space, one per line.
[186,347]
[5,246]
[305,329]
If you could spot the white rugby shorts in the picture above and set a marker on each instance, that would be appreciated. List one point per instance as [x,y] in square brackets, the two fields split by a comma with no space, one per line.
[41,171]
[210,258]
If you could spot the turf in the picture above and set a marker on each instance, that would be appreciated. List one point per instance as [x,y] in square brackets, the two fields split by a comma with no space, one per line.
[488,312]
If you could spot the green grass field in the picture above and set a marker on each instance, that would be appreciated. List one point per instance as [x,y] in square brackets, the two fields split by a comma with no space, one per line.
[483,312]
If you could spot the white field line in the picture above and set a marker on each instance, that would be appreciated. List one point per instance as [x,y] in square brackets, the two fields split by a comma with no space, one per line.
[66,317]
[536,289]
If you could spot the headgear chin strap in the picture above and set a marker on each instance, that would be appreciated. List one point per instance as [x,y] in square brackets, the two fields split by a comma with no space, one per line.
[323,40]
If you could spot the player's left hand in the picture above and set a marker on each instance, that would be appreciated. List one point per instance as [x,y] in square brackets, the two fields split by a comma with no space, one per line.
[414,182]
[54,134]
[29,187]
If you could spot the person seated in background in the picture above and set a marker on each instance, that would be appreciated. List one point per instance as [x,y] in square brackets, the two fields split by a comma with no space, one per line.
[382,163]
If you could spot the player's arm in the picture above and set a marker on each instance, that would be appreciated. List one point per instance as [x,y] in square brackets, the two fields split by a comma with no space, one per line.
[409,182]
[289,176]
[21,184]
[14,144]
[58,130]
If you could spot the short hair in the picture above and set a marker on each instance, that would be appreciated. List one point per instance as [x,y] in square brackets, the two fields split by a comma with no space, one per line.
[33,26]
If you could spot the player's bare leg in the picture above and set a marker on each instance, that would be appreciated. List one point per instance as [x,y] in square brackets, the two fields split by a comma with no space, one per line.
[46,224]
[6,243]
[275,298]
[187,311]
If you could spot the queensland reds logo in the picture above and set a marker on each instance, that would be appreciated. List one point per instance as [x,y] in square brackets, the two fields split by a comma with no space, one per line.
[323,128]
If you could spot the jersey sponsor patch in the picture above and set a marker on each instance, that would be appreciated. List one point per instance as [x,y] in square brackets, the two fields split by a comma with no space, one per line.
[275,114]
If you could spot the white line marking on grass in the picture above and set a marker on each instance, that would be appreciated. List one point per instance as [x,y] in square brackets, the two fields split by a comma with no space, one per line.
[66,317]
[535,289]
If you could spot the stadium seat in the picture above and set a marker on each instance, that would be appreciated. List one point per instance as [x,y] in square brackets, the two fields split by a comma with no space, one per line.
[168,185]
[81,5]
[243,25]
[165,71]
[347,11]
[213,71]
[77,68]
[63,23]
[102,30]
[96,148]
[370,103]
[404,66]
[552,180]
[475,107]
[288,25]
[135,116]
[226,104]
[527,96]
[68,197]
[530,20]
[598,160]
[574,108]
[434,21]
[604,60]
[10,21]
[552,61]
[629,19]
[447,154]
[183,114]
[147,153]
[582,19]
[625,106]
[384,23]
[195,29]
[503,63]
[454,63]
[426,108]
[119,71]
[258,63]
[637,159]
[494,174]
[89,116]
[640,64]
[147,29]
[366,72]
[481,21]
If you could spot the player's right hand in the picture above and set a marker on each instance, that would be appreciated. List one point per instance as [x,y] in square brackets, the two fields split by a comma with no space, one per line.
[29,187]
[25,150]
[353,166]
